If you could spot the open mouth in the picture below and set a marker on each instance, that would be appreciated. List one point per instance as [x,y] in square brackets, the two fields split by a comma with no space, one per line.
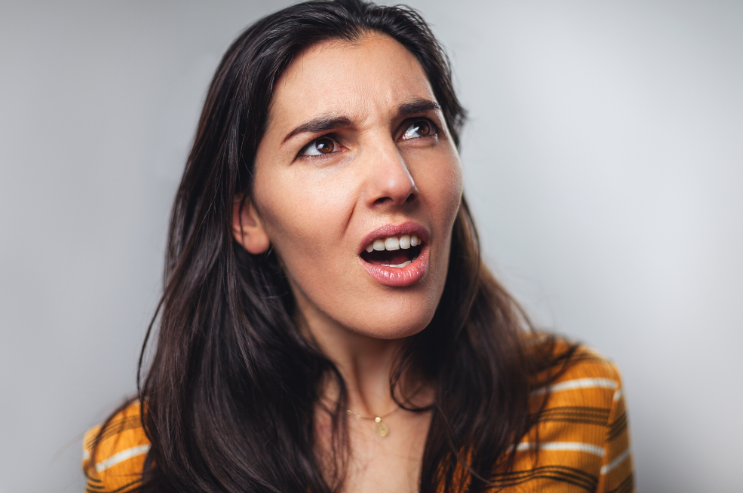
[393,251]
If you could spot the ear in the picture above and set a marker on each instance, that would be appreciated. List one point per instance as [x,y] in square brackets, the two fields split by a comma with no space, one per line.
[247,227]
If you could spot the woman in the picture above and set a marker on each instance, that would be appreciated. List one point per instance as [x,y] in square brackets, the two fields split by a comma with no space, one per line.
[327,323]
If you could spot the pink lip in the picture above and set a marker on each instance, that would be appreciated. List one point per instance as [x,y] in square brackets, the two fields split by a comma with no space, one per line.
[394,276]
[407,228]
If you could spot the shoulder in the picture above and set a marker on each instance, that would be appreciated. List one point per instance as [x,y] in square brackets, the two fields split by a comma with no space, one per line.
[581,429]
[570,373]
[582,374]
[584,398]
[114,453]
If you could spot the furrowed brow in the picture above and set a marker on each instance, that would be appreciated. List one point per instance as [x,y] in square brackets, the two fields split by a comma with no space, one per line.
[319,124]
[417,106]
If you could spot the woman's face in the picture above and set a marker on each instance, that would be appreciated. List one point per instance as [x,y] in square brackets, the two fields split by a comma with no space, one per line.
[357,157]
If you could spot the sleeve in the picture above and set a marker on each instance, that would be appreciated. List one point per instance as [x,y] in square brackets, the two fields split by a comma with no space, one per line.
[580,442]
[93,482]
[616,469]
[122,447]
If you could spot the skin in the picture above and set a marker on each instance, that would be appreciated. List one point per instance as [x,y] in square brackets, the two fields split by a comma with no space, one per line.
[316,210]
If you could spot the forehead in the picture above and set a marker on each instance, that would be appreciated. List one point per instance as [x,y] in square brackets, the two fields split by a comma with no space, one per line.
[362,79]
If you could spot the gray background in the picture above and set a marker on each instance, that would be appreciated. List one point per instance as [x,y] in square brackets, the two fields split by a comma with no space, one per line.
[603,160]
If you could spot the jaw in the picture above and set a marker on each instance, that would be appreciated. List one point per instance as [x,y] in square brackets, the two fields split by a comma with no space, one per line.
[363,292]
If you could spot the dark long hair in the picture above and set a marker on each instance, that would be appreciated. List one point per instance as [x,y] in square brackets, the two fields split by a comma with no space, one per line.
[231,390]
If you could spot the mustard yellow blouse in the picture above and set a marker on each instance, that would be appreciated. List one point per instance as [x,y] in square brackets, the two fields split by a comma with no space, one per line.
[584,440]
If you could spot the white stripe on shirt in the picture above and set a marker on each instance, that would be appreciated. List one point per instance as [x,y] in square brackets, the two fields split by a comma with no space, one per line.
[611,465]
[580,383]
[122,456]
[572,446]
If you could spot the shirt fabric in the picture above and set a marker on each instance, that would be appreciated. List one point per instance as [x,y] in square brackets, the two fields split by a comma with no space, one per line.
[583,439]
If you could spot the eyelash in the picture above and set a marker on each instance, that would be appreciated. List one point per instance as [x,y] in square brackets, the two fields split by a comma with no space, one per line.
[331,137]
[334,139]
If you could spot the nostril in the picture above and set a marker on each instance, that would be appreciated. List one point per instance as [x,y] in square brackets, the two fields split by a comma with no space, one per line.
[392,191]
[383,200]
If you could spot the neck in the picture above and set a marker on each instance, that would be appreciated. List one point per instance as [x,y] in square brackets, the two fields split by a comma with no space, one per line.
[364,362]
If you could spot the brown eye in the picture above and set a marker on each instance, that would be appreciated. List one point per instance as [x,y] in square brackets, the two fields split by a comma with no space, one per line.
[418,129]
[323,145]
[422,128]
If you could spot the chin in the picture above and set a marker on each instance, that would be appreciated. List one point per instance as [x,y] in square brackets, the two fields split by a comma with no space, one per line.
[393,324]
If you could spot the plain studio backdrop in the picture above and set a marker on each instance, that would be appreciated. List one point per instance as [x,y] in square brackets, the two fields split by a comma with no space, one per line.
[603,160]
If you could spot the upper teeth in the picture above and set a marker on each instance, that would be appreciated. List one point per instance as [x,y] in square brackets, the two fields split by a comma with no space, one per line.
[394,243]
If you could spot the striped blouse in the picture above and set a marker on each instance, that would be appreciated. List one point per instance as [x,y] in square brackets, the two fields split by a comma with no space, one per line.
[583,433]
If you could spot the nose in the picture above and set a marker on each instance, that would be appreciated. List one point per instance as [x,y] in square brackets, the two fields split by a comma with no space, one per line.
[389,181]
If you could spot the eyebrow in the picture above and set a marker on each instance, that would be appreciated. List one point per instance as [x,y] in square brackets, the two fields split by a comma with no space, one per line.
[417,106]
[323,123]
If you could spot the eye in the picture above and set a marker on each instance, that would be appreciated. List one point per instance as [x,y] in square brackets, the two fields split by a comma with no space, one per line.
[320,147]
[418,129]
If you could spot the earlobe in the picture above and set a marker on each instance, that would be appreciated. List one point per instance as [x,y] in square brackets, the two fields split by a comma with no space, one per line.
[247,227]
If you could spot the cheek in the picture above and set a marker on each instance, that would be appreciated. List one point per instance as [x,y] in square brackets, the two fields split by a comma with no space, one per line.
[441,187]
[453,193]
[303,218]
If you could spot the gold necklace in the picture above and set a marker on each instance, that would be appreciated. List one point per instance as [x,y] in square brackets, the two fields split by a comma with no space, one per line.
[382,429]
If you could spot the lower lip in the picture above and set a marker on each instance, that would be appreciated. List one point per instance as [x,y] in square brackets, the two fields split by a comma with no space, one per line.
[399,276]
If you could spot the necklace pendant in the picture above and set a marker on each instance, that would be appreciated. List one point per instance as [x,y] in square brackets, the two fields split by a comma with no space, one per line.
[382,429]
